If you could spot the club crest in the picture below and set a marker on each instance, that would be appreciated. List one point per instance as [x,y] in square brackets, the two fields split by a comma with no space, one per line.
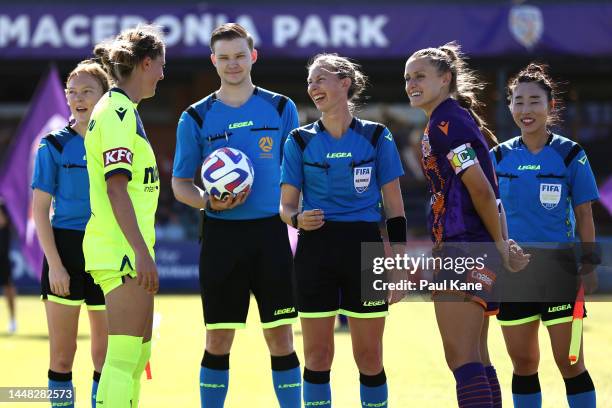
[526,25]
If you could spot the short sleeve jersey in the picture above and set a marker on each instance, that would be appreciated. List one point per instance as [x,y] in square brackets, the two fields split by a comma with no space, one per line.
[61,170]
[116,143]
[539,191]
[258,128]
[342,176]
[451,144]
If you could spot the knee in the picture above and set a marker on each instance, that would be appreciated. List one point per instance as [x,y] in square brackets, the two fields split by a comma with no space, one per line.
[457,354]
[98,354]
[62,357]
[219,342]
[369,360]
[566,369]
[280,342]
[525,363]
[320,357]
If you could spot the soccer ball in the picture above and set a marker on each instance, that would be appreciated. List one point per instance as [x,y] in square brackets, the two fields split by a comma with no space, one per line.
[227,171]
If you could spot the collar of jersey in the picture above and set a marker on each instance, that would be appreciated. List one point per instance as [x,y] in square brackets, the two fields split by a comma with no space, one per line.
[70,130]
[215,99]
[351,127]
[444,102]
[548,142]
[122,92]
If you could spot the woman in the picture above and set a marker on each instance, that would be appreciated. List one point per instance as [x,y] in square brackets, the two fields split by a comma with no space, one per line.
[463,210]
[547,186]
[60,177]
[124,189]
[342,165]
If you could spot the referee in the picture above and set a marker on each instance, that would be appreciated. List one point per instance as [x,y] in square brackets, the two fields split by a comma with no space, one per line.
[245,245]
[546,185]
[341,164]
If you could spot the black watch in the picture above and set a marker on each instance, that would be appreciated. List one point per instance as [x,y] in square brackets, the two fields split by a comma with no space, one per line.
[294,220]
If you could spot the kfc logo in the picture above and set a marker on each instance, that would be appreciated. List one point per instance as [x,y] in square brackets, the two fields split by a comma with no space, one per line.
[118,155]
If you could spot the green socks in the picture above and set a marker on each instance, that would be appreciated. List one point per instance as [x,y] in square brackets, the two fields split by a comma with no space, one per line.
[117,382]
[145,354]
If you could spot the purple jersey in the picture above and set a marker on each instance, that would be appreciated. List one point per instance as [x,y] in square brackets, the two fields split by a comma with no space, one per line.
[453,142]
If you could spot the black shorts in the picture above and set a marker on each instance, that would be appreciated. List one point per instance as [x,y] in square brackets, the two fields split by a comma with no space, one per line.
[69,245]
[551,313]
[330,277]
[545,290]
[243,256]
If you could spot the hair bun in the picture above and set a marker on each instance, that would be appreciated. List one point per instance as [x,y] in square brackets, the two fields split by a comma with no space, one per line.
[536,68]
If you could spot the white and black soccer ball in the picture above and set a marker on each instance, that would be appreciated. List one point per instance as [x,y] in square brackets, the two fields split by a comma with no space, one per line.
[227,171]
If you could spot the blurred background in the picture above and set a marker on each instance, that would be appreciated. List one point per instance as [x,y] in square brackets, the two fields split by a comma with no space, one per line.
[500,37]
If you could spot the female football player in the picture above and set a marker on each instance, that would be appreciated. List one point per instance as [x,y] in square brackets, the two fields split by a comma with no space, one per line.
[124,189]
[463,210]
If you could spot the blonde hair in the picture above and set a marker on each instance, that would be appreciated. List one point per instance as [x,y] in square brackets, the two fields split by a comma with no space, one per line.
[120,55]
[343,68]
[93,68]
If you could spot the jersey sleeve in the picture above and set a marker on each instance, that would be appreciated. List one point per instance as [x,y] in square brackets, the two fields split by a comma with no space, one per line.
[117,133]
[188,154]
[45,168]
[388,162]
[292,169]
[582,181]
[290,119]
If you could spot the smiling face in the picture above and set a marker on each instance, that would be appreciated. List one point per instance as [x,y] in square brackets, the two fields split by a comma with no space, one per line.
[233,60]
[83,91]
[153,72]
[326,89]
[530,107]
[425,86]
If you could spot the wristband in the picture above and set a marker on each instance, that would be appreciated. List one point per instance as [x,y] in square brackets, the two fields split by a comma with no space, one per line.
[294,220]
[396,229]
[592,258]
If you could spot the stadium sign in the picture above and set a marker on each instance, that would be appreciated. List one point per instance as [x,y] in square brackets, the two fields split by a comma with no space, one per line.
[392,30]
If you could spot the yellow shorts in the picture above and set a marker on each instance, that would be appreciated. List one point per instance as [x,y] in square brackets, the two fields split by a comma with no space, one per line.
[109,280]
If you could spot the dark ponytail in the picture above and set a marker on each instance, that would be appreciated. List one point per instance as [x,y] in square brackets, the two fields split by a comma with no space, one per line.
[538,73]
